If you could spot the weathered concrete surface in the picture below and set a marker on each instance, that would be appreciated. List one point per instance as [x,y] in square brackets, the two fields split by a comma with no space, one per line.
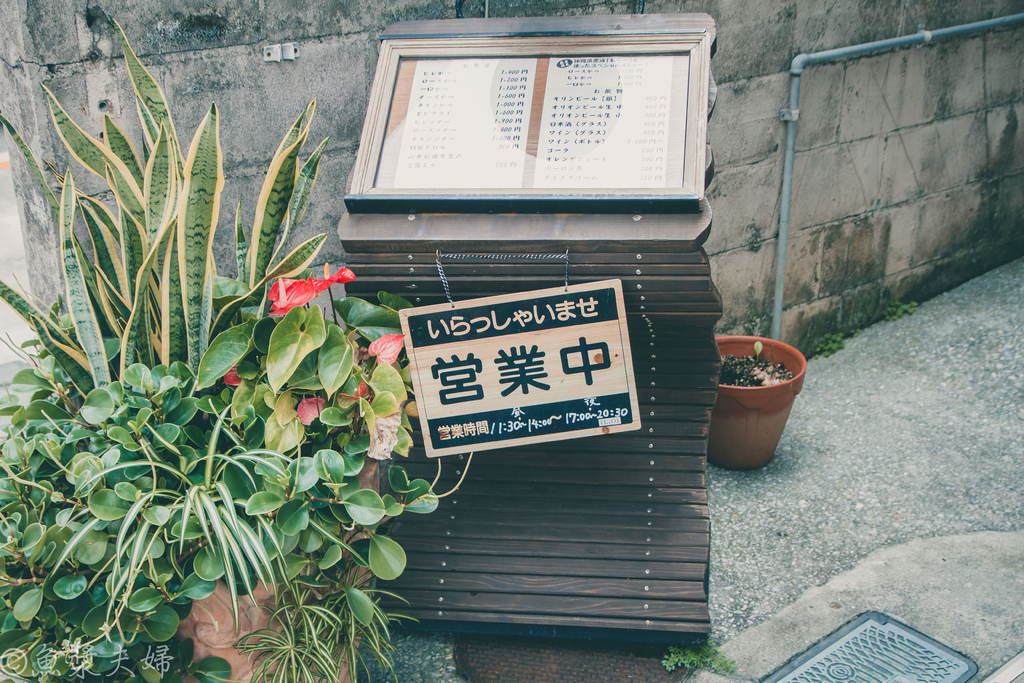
[896,487]
[963,591]
[915,152]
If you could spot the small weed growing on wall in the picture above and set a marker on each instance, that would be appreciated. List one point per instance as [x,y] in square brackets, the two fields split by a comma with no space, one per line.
[829,344]
[706,656]
[897,309]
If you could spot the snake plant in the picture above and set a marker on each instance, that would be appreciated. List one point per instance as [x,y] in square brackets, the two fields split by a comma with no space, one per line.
[152,294]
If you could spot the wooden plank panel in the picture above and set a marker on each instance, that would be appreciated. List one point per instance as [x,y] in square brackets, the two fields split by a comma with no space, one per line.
[480,554]
[430,618]
[538,457]
[484,478]
[559,521]
[693,519]
[555,272]
[416,257]
[515,503]
[684,533]
[539,492]
[539,584]
[523,233]
[487,285]
[454,601]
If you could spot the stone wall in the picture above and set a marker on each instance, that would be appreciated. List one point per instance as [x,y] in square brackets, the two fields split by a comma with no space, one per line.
[909,166]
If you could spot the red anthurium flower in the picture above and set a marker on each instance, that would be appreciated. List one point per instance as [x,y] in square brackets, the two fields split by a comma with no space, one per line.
[287,294]
[342,276]
[231,377]
[387,348]
[309,409]
[363,390]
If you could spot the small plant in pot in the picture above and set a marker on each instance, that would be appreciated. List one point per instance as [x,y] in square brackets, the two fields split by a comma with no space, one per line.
[191,460]
[760,380]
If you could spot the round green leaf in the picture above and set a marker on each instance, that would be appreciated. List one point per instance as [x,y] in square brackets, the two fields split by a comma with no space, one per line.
[145,599]
[398,478]
[331,557]
[365,507]
[212,670]
[157,515]
[293,517]
[91,548]
[333,417]
[208,565]
[70,587]
[224,352]
[392,508]
[387,558]
[107,506]
[303,474]
[360,604]
[196,587]
[149,673]
[162,624]
[43,410]
[126,491]
[98,406]
[94,621]
[330,466]
[28,604]
[263,502]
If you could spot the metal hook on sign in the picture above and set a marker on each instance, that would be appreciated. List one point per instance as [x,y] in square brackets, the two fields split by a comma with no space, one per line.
[458,9]
[494,257]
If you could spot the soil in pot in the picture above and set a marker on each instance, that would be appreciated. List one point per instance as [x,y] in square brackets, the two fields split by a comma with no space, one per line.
[744,371]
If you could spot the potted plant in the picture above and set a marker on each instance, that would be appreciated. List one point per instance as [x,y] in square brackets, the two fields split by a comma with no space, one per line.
[760,380]
[183,436]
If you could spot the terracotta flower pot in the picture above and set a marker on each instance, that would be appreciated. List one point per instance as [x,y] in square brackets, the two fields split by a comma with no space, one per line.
[748,422]
[211,624]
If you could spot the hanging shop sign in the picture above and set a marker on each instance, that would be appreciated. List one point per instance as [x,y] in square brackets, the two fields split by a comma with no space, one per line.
[591,124]
[524,368]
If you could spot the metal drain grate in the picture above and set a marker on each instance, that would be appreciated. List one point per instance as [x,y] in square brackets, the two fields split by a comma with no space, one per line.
[874,648]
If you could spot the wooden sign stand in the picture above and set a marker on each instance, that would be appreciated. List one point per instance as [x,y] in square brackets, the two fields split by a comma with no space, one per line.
[600,537]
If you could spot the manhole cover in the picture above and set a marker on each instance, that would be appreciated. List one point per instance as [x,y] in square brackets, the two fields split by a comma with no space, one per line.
[874,648]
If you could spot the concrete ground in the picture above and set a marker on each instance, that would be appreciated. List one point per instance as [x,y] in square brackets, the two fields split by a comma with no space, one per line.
[898,487]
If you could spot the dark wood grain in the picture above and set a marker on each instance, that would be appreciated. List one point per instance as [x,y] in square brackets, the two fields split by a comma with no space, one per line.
[539,584]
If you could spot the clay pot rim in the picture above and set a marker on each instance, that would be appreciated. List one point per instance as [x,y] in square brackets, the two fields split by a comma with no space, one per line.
[797,376]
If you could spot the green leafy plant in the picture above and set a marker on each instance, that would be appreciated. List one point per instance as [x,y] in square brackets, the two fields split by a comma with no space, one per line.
[829,343]
[706,656]
[897,309]
[172,433]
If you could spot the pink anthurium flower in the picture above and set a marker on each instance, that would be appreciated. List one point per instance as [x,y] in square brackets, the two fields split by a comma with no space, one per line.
[309,409]
[231,377]
[287,294]
[342,276]
[387,348]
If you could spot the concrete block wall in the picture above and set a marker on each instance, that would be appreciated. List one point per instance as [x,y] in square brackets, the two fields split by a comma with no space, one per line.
[908,172]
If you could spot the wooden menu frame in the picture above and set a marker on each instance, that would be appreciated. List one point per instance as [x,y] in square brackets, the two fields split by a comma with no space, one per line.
[650,89]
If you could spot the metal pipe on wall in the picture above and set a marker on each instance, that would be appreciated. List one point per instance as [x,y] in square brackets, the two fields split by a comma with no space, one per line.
[792,114]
